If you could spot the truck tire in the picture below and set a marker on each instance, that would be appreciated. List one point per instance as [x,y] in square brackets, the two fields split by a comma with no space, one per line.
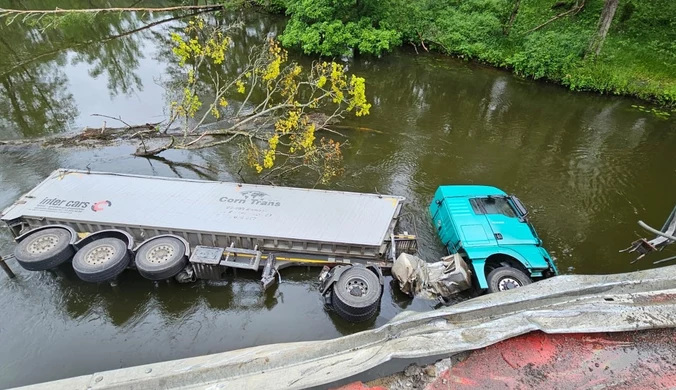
[506,278]
[161,258]
[355,318]
[356,294]
[44,249]
[101,260]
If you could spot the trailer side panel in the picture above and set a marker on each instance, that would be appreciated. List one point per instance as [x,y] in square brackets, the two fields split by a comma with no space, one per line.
[213,213]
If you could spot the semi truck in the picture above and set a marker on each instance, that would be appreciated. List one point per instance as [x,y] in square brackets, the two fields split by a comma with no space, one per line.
[170,228]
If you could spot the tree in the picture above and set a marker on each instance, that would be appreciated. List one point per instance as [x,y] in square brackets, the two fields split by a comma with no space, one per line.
[339,27]
[275,108]
[606,18]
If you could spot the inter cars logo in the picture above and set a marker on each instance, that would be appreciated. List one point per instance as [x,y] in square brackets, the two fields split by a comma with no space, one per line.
[63,203]
[100,206]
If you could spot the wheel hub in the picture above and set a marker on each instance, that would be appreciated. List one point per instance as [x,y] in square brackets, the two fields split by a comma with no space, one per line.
[100,254]
[160,254]
[43,244]
[508,284]
[357,287]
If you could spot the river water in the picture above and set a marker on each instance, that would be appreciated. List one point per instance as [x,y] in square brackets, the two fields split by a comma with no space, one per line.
[587,166]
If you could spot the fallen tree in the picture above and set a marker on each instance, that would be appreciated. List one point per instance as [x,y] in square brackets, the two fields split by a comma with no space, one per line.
[90,137]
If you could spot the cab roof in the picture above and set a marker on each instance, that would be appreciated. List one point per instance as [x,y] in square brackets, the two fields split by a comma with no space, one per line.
[452,191]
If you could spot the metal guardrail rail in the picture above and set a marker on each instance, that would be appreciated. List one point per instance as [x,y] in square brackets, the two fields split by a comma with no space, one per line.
[564,304]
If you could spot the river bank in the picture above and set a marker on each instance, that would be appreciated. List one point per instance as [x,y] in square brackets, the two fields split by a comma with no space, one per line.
[542,39]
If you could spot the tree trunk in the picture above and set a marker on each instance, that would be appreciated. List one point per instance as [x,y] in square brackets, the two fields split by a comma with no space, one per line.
[515,10]
[604,24]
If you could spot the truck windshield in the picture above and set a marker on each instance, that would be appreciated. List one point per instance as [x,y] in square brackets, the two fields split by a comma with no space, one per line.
[493,205]
[509,206]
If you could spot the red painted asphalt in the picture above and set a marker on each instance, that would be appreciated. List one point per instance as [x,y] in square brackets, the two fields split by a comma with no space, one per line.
[628,360]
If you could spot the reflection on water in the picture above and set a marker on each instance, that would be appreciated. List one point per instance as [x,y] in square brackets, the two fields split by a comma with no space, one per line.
[587,166]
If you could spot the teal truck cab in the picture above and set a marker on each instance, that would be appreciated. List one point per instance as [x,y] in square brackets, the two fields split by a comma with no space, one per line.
[491,231]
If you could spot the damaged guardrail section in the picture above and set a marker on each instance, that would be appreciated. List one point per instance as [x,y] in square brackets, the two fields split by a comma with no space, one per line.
[564,304]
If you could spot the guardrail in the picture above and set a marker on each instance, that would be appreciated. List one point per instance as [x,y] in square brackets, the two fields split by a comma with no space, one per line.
[563,304]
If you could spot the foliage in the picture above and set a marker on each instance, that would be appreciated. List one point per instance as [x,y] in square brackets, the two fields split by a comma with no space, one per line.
[548,54]
[638,57]
[338,27]
[276,107]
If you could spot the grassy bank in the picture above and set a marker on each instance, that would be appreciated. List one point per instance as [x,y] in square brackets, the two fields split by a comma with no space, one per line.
[638,57]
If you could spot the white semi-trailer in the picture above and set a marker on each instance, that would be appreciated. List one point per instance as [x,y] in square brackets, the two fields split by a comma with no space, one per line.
[168,228]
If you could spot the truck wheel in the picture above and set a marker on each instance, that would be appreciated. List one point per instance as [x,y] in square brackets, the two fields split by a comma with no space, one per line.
[101,260]
[506,278]
[161,258]
[356,294]
[44,249]
[355,318]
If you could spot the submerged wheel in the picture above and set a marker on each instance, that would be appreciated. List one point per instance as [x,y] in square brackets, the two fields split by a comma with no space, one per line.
[356,294]
[354,318]
[44,249]
[506,278]
[101,260]
[161,258]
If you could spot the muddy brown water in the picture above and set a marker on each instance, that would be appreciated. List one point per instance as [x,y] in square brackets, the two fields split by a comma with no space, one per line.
[587,166]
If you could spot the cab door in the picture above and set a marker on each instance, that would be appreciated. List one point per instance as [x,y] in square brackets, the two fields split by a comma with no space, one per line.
[506,224]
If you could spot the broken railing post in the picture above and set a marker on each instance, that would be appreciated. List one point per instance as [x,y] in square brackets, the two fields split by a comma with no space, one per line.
[6,268]
[268,276]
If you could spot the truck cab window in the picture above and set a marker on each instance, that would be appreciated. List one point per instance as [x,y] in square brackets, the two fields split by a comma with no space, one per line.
[493,206]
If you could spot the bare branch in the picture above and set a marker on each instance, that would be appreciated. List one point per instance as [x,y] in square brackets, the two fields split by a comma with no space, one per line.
[358,128]
[332,131]
[251,118]
[573,11]
[141,133]
[219,94]
[254,82]
[422,42]
[119,119]
[191,146]
[278,171]
[196,168]
[145,152]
